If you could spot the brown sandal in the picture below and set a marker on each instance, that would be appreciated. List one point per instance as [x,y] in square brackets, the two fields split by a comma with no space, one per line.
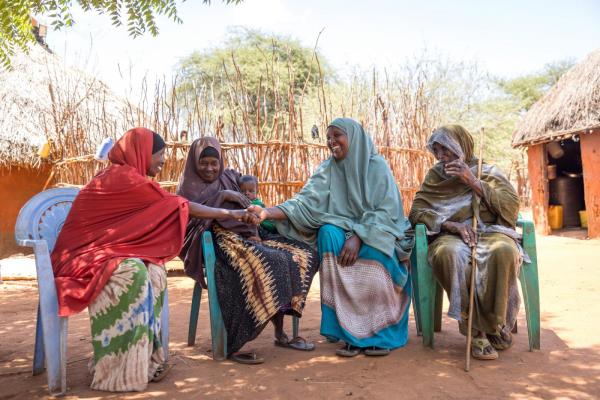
[348,351]
[478,349]
[248,358]
[161,372]
[297,343]
[501,340]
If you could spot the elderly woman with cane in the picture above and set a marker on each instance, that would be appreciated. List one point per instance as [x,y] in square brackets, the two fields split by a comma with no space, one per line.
[450,197]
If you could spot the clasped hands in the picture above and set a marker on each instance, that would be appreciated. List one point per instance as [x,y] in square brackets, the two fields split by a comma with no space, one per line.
[349,253]
[252,214]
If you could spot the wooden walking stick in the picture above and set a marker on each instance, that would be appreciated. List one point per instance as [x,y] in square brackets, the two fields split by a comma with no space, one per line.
[473,259]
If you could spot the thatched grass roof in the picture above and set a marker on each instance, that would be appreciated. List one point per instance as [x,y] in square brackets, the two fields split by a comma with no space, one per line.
[571,106]
[41,98]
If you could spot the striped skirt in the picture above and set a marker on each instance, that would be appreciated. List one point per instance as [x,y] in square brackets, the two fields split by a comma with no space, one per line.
[365,304]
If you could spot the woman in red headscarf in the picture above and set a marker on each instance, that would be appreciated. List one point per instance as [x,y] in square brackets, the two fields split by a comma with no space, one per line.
[109,257]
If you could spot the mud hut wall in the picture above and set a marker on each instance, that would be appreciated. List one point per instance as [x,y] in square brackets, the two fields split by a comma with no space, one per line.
[538,178]
[17,186]
[590,157]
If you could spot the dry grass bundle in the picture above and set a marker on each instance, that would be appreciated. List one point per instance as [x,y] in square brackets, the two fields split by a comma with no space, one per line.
[45,100]
[571,106]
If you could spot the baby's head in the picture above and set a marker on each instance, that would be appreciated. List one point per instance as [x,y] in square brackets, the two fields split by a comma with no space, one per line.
[248,186]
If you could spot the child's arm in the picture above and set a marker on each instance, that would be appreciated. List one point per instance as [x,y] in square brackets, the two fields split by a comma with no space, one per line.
[258,202]
[267,224]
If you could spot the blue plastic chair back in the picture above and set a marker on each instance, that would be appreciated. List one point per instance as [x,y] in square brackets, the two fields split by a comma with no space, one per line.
[43,216]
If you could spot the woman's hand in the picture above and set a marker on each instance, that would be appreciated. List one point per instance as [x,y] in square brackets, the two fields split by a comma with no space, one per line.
[259,212]
[271,213]
[465,231]
[201,211]
[349,253]
[461,170]
[245,216]
[235,197]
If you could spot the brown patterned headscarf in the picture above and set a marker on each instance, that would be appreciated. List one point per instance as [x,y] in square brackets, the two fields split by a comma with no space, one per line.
[194,188]
[456,139]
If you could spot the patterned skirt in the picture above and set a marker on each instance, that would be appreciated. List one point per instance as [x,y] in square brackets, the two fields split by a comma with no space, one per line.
[256,280]
[365,304]
[126,331]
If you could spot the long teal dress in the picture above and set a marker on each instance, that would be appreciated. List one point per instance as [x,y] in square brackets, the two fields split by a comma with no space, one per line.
[365,304]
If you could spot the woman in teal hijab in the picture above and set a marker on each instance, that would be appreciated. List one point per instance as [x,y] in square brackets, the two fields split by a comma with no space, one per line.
[352,211]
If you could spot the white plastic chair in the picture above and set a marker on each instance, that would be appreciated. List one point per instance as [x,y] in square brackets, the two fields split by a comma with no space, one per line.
[38,224]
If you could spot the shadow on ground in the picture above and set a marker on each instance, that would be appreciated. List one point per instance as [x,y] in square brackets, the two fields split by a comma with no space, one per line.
[412,372]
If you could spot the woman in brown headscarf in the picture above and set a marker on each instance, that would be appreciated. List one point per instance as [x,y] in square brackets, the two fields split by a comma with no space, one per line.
[257,280]
[445,204]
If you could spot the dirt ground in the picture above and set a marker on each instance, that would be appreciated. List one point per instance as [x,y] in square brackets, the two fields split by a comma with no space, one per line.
[568,366]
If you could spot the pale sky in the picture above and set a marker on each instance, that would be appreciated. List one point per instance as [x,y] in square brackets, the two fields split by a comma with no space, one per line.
[506,37]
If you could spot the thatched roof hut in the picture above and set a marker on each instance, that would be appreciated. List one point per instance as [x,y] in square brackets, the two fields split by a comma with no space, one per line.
[562,135]
[571,106]
[41,98]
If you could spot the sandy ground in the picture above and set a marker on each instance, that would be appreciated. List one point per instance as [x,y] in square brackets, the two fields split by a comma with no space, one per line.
[568,366]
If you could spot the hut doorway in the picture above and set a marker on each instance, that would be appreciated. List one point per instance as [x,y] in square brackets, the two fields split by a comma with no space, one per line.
[566,197]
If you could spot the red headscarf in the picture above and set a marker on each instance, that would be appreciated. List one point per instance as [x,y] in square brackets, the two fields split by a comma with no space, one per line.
[118,215]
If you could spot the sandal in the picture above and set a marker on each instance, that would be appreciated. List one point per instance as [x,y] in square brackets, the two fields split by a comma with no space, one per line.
[501,340]
[348,351]
[248,358]
[481,349]
[377,352]
[298,343]
[332,339]
[161,372]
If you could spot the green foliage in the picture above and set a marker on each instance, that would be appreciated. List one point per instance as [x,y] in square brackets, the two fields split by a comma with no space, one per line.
[253,68]
[530,88]
[463,94]
[138,15]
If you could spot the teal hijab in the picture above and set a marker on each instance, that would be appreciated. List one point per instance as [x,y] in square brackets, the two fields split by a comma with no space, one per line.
[357,194]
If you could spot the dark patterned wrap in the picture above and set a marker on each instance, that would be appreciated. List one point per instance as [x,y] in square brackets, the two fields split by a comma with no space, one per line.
[255,280]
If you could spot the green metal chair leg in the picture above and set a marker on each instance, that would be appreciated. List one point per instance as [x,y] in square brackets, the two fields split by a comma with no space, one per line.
[439,302]
[195,310]
[217,328]
[426,286]
[530,286]
[414,276]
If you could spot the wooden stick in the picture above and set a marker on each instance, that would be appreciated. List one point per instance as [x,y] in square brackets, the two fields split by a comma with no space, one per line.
[473,260]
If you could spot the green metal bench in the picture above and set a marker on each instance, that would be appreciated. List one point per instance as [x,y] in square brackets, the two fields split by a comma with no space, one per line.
[427,292]
[217,328]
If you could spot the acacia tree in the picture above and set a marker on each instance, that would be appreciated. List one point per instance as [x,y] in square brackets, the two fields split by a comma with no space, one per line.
[259,73]
[138,16]
[501,111]
[528,89]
